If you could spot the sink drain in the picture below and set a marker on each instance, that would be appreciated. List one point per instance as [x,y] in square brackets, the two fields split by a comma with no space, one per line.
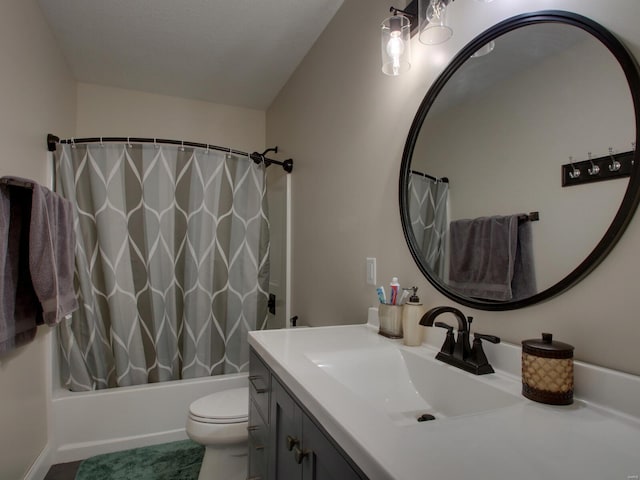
[425,417]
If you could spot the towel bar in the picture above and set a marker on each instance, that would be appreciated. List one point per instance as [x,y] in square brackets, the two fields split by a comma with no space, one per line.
[15,182]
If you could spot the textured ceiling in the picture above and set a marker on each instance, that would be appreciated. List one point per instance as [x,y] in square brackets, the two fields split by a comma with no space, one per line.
[234,52]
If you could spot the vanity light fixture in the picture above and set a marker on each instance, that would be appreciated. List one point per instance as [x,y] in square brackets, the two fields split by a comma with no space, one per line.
[396,45]
[429,19]
[432,18]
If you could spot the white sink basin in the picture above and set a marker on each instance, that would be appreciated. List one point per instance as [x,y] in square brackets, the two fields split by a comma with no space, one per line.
[406,383]
[367,392]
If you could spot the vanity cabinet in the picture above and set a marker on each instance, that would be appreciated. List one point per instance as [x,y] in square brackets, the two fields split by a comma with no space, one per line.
[286,443]
[258,428]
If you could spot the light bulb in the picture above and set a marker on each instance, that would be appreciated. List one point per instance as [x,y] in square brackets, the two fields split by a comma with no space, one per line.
[433,22]
[395,49]
[434,11]
[396,45]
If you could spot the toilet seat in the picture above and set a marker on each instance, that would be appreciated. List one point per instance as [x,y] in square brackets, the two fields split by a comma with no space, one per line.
[227,406]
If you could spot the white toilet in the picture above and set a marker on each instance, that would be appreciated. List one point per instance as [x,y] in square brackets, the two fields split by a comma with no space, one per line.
[219,422]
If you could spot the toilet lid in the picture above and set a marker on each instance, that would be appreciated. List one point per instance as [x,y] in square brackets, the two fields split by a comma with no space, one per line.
[227,406]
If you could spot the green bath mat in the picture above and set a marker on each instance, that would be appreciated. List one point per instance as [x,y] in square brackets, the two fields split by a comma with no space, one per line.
[168,461]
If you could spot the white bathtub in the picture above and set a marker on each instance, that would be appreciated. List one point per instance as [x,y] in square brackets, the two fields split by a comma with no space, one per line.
[90,423]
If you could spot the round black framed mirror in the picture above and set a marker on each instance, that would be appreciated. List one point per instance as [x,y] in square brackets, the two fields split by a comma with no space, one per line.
[508,122]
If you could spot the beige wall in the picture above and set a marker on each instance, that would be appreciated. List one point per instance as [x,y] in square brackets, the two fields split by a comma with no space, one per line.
[345,125]
[106,111]
[37,95]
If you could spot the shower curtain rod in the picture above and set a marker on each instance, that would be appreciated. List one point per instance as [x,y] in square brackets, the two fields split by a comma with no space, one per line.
[287,165]
[431,177]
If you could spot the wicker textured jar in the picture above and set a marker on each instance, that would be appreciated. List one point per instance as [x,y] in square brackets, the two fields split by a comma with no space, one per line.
[547,370]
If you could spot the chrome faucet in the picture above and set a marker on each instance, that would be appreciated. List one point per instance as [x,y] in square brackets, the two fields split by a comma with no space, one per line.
[458,352]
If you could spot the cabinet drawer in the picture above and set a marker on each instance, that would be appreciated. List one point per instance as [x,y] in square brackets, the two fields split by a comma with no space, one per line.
[258,444]
[259,384]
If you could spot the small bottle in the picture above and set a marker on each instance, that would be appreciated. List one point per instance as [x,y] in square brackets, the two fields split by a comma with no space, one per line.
[394,290]
[412,312]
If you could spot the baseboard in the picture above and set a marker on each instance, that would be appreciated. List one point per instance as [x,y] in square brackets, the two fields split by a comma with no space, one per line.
[79,451]
[41,466]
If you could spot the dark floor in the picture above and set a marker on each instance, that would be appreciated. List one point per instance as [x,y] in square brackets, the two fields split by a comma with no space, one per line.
[63,471]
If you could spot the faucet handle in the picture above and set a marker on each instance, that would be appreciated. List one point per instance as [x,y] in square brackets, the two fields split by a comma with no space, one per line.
[449,342]
[477,357]
[488,338]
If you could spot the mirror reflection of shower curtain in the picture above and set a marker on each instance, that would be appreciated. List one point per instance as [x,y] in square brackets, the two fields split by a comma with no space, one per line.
[428,207]
[172,263]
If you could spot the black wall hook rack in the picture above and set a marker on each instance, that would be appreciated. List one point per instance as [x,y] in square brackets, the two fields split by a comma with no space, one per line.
[608,167]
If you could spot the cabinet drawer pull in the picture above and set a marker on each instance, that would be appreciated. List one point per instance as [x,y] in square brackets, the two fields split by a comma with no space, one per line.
[300,454]
[253,379]
[291,442]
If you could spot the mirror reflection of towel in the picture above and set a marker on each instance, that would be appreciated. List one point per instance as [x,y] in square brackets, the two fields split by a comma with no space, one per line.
[492,258]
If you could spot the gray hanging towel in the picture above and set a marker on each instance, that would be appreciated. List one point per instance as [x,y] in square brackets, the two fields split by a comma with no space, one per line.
[492,258]
[20,311]
[523,284]
[51,254]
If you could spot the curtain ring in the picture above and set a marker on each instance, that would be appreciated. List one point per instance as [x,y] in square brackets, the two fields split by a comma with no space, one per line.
[207,150]
[128,142]
[182,146]
[155,144]
[101,143]
[73,143]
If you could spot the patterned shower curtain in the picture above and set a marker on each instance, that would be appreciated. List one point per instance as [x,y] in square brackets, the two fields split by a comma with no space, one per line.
[428,200]
[171,263]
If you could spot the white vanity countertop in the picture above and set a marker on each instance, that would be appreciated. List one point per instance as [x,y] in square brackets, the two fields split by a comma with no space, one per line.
[525,440]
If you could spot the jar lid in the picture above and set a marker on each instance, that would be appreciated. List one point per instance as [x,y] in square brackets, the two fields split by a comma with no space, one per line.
[547,347]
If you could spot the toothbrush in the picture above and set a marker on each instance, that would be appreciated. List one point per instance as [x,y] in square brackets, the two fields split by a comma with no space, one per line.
[381,295]
[403,297]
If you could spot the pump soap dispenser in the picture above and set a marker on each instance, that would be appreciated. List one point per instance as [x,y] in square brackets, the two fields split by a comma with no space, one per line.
[412,312]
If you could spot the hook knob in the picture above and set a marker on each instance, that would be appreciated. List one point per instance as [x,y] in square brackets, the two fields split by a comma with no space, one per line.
[595,169]
[575,173]
[615,164]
